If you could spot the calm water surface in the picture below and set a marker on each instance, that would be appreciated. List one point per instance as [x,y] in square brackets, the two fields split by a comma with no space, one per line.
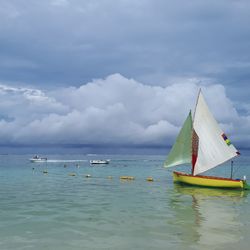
[57,211]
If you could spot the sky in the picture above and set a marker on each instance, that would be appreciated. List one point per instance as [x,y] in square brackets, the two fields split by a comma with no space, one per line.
[124,72]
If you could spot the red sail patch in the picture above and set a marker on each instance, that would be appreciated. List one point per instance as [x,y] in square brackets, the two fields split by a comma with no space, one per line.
[195,146]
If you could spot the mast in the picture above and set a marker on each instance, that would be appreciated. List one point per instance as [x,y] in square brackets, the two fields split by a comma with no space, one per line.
[195,138]
[196,104]
[232,166]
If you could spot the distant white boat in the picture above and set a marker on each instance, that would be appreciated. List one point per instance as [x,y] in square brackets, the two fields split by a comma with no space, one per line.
[99,161]
[37,158]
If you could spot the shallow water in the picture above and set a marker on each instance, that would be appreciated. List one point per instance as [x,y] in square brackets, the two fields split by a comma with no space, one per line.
[57,211]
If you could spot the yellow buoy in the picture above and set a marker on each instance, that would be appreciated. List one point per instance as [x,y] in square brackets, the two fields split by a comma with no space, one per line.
[130,178]
[72,174]
[150,178]
[110,177]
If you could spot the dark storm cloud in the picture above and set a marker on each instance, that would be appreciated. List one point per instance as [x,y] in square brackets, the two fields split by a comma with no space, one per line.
[71,42]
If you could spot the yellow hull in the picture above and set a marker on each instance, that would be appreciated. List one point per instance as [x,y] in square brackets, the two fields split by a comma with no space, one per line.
[207,181]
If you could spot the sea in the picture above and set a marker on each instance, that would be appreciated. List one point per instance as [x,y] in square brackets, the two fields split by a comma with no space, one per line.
[68,204]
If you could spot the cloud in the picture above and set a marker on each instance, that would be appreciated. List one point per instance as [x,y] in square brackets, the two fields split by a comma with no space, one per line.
[60,2]
[22,105]
[115,110]
[60,42]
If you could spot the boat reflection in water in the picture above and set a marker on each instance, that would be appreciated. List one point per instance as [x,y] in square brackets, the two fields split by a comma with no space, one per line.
[209,218]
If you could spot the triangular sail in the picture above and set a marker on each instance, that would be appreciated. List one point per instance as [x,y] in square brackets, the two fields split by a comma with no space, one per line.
[214,147]
[181,150]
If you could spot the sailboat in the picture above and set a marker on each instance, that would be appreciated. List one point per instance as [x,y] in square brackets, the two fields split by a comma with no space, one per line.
[202,144]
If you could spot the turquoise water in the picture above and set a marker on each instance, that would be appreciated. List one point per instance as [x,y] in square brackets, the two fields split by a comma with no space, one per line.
[57,211]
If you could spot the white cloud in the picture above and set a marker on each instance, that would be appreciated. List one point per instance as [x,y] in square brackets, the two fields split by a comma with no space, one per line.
[112,110]
[24,105]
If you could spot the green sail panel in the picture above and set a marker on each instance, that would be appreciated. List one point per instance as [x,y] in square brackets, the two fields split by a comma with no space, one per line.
[181,150]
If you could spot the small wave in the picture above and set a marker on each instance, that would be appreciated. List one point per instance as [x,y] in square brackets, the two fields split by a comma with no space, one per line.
[67,160]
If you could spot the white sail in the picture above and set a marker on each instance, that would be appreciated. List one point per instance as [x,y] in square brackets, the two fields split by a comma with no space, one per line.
[214,147]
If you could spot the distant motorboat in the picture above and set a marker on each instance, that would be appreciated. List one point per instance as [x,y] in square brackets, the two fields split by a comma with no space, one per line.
[99,161]
[37,158]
